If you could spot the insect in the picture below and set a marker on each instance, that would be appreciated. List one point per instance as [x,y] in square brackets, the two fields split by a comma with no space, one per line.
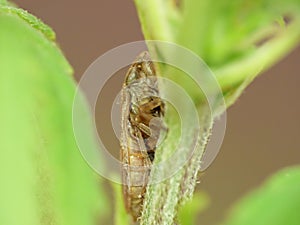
[141,124]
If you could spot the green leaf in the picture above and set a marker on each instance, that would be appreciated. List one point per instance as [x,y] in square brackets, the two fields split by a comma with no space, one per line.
[277,202]
[3,2]
[188,213]
[44,179]
[121,216]
[33,21]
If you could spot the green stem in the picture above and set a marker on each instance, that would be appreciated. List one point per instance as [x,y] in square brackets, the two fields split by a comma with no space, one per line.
[164,199]
[238,71]
[153,17]
[188,36]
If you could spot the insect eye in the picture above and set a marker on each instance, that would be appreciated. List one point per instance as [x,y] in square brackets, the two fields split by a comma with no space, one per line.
[155,111]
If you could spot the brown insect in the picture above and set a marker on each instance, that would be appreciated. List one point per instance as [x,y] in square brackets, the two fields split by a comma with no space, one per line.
[142,112]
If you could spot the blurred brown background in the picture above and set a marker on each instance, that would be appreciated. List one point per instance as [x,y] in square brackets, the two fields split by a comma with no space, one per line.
[262,133]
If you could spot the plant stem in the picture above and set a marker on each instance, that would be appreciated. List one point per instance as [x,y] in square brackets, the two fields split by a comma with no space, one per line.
[265,56]
[188,36]
[153,18]
[163,199]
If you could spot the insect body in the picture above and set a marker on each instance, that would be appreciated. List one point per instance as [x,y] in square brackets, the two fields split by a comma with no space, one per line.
[142,112]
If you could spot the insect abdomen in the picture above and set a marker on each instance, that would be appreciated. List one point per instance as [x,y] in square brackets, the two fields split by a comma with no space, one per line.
[142,109]
[135,179]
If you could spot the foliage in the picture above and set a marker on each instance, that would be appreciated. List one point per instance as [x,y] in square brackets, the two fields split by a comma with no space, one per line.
[44,179]
[238,40]
[277,202]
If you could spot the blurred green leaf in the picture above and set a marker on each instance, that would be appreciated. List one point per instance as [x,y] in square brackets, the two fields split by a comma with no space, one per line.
[277,202]
[187,215]
[3,2]
[33,21]
[121,216]
[44,179]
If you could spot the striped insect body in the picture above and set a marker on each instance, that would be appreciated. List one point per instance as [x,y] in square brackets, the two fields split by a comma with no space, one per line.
[142,113]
